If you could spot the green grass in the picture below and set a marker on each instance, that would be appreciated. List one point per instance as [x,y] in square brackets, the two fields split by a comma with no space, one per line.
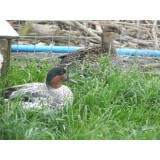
[108,104]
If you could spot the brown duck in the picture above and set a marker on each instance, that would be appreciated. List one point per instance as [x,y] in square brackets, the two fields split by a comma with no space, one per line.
[110,32]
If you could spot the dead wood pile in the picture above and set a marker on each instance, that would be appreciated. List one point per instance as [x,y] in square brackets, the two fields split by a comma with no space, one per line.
[136,34]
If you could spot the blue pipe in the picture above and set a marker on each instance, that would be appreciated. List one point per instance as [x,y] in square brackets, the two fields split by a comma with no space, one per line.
[31,48]
[136,52]
[64,49]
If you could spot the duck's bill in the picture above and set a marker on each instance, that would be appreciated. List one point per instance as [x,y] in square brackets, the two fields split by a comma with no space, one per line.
[72,81]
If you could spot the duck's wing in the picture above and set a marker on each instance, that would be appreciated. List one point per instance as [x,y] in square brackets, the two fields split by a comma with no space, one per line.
[69,58]
[26,91]
[80,55]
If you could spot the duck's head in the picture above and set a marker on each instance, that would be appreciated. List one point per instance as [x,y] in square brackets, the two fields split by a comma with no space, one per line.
[110,32]
[56,76]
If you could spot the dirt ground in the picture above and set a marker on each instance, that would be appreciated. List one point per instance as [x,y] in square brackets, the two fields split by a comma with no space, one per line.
[124,63]
[144,64]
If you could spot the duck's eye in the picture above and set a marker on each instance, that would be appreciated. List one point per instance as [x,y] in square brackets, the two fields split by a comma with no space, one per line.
[61,73]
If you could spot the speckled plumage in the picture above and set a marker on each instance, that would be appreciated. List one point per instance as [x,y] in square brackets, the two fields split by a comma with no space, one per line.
[89,55]
[38,95]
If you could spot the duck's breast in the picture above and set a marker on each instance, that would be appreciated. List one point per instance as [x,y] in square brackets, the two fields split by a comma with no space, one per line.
[61,96]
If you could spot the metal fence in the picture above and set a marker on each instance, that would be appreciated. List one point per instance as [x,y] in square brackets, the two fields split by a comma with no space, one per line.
[140,35]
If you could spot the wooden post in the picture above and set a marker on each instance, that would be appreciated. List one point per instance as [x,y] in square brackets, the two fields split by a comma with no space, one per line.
[5,49]
[7,33]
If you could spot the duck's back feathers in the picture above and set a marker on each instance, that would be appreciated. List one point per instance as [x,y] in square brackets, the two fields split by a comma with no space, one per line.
[25,91]
[82,55]
[88,55]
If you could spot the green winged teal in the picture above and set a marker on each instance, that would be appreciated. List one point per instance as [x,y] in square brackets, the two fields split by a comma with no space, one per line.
[51,94]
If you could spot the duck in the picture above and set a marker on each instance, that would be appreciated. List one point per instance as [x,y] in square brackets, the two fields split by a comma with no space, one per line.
[51,95]
[109,33]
